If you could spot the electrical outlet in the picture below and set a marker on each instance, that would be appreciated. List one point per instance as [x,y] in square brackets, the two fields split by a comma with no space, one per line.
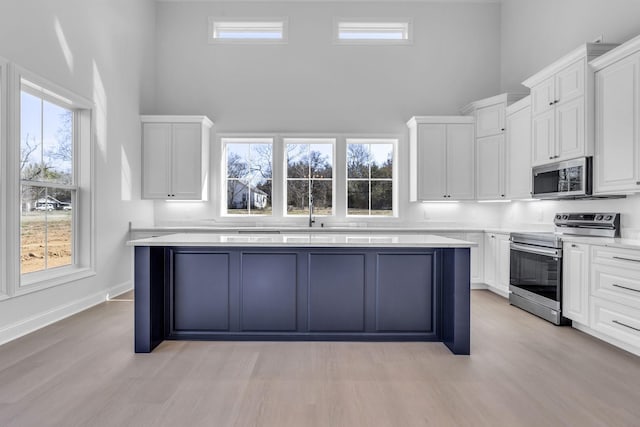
[598,39]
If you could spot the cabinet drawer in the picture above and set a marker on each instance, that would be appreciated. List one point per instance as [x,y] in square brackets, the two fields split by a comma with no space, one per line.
[615,320]
[625,258]
[621,285]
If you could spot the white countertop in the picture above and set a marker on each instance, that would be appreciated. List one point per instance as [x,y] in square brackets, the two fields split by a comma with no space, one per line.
[612,242]
[341,240]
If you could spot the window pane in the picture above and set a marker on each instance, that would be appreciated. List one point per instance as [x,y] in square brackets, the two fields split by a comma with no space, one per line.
[57,142]
[381,198]
[46,225]
[237,197]
[261,160]
[322,192]
[358,158]
[381,160]
[298,197]
[358,198]
[30,137]
[237,160]
[321,160]
[297,160]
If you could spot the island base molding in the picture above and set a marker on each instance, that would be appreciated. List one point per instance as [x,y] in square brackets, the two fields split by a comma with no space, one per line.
[302,294]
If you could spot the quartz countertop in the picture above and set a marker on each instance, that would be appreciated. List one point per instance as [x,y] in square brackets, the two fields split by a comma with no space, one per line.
[342,240]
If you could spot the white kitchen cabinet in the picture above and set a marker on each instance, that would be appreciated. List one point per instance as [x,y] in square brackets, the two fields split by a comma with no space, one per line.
[617,140]
[477,257]
[497,254]
[563,106]
[490,117]
[518,150]
[442,157]
[175,157]
[575,282]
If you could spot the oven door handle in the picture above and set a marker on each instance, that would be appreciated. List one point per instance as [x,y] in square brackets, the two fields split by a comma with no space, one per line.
[536,250]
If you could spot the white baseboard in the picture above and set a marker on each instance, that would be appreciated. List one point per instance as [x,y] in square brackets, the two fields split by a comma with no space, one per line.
[479,285]
[38,321]
[504,293]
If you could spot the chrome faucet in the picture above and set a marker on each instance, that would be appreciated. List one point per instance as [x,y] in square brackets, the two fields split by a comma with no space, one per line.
[311,220]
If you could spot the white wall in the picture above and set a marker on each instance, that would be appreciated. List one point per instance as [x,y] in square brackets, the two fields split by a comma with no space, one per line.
[311,84]
[537,32]
[103,51]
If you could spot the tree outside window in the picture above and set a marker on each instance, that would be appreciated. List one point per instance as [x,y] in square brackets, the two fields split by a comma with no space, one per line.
[249,176]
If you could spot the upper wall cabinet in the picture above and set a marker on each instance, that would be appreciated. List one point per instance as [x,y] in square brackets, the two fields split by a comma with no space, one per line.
[518,149]
[617,149]
[562,106]
[442,158]
[175,157]
[490,118]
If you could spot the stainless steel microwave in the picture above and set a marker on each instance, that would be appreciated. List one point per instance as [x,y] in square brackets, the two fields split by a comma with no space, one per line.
[567,179]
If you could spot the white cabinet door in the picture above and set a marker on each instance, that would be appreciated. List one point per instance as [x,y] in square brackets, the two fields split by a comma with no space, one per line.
[156,155]
[569,82]
[187,161]
[503,263]
[490,257]
[432,163]
[543,96]
[570,128]
[518,154]
[543,138]
[460,162]
[490,120]
[575,282]
[490,167]
[477,256]
[617,156]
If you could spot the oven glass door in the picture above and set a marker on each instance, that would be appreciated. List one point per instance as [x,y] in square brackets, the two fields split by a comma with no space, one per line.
[536,273]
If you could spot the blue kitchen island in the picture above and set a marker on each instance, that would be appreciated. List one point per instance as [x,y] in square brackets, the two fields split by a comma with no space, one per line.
[303,286]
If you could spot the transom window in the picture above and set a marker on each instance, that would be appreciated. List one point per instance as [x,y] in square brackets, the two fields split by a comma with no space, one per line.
[370,176]
[48,188]
[248,31]
[362,31]
[249,166]
[309,175]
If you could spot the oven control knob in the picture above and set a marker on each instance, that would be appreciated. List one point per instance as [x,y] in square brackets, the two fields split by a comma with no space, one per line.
[607,218]
[558,216]
[565,217]
[598,217]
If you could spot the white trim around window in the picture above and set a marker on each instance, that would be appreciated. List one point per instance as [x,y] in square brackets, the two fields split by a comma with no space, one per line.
[226,30]
[3,177]
[372,31]
[83,244]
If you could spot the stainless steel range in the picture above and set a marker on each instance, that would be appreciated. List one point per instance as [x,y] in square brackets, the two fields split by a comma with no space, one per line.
[535,279]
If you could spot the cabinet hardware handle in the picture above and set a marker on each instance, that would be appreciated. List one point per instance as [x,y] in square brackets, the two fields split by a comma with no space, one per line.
[625,325]
[551,103]
[502,195]
[556,101]
[637,182]
[502,129]
[550,157]
[626,259]
[624,287]
[574,246]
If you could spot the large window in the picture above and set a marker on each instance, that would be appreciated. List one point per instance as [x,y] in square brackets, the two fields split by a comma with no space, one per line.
[249,166]
[309,175]
[48,188]
[370,176]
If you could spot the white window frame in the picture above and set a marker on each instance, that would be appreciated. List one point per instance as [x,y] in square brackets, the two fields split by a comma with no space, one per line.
[214,21]
[394,141]
[3,155]
[83,166]
[374,24]
[254,139]
[308,140]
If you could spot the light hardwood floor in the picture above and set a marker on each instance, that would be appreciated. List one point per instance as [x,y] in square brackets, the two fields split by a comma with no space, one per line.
[523,371]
